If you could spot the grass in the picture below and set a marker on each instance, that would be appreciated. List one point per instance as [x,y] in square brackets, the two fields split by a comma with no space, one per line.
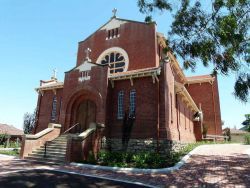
[10,152]
[11,145]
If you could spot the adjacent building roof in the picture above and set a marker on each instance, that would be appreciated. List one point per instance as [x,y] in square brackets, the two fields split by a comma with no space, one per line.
[10,130]
[237,131]
[200,79]
[49,85]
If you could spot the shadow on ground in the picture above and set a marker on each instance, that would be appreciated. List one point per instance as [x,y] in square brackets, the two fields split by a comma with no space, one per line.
[200,171]
[53,179]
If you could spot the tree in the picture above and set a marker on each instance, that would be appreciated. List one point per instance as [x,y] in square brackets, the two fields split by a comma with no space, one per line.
[246,123]
[29,122]
[209,32]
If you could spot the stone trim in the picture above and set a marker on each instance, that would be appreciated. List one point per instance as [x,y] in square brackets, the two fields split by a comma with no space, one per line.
[142,145]
[50,128]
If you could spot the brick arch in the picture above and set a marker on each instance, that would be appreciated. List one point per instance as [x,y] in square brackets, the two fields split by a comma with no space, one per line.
[76,98]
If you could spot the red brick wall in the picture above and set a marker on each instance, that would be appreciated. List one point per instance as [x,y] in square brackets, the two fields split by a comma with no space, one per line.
[145,125]
[30,144]
[207,95]
[137,39]
[75,92]
[176,122]
[147,109]
[44,107]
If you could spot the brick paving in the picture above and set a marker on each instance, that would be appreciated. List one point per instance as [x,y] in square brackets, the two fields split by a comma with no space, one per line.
[225,165]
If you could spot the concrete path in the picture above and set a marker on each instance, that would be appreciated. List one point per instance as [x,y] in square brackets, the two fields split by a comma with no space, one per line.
[6,157]
[226,165]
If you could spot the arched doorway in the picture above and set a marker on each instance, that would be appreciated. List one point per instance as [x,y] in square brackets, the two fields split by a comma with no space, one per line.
[85,114]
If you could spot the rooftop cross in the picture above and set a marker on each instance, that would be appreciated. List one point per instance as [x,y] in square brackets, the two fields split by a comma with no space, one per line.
[87,51]
[114,13]
[54,73]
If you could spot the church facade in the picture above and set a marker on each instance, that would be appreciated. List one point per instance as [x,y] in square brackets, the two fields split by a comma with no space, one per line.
[125,80]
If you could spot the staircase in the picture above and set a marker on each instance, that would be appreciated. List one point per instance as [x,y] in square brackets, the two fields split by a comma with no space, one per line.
[55,151]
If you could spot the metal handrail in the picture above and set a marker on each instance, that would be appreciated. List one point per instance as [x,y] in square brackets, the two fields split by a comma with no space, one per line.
[71,128]
[45,148]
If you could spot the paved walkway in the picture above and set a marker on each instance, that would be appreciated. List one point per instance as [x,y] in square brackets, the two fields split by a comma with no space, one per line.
[226,165]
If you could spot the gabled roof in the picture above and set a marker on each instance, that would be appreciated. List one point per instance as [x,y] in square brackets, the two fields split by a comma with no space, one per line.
[10,130]
[117,21]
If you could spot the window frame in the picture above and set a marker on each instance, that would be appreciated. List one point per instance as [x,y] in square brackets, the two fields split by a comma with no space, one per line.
[120,105]
[132,103]
[54,109]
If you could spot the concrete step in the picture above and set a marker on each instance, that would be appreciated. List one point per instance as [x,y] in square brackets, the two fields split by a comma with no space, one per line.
[55,151]
[45,160]
[59,141]
[54,147]
[49,151]
[48,156]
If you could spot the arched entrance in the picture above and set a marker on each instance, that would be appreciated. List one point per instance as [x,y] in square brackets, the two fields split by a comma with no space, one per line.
[85,114]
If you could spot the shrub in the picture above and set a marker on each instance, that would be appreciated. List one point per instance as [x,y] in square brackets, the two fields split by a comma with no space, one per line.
[142,159]
[247,139]
[137,160]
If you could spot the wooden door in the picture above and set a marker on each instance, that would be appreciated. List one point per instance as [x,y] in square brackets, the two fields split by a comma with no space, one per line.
[86,114]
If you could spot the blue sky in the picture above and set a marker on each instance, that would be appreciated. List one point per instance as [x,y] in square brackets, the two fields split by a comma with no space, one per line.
[38,36]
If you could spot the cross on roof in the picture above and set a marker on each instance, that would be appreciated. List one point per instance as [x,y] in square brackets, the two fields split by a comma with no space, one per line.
[87,51]
[114,12]
[54,73]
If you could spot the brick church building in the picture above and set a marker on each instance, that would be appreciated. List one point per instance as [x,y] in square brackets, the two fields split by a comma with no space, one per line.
[124,80]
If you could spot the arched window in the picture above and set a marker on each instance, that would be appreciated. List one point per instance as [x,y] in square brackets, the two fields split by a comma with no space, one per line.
[132,103]
[120,110]
[116,58]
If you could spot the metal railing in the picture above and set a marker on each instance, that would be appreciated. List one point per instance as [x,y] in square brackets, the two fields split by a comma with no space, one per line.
[45,148]
[69,129]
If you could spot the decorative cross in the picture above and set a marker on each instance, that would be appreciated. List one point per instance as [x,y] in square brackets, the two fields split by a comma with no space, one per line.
[87,51]
[114,12]
[54,73]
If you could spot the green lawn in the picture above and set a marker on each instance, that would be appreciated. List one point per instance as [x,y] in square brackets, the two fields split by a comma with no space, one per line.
[12,152]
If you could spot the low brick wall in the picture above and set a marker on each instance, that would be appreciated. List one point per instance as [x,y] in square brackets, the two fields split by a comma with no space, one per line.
[142,145]
[32,142]
[74,149]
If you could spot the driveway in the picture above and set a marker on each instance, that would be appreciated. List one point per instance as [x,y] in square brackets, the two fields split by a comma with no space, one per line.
[225,165]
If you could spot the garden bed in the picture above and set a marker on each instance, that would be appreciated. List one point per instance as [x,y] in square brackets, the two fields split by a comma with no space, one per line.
[143,160]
